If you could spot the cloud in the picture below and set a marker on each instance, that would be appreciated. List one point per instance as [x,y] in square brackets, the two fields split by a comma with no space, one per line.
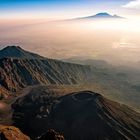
[135,4]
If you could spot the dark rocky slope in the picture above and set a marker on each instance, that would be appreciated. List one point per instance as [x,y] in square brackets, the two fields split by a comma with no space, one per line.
[19,68]
[17,52]
[83,115]
[51,135]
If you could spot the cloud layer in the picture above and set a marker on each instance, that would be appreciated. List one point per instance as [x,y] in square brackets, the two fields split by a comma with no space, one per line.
[135,4]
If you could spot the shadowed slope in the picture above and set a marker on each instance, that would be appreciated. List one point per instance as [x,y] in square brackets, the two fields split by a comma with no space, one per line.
[18,52]
[82,115]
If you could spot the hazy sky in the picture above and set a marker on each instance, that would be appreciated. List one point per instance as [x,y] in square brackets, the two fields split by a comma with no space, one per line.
[66,8]
[21,24]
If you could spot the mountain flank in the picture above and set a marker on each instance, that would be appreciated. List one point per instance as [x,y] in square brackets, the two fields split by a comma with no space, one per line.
[80,115]
[28,69]
[19,68]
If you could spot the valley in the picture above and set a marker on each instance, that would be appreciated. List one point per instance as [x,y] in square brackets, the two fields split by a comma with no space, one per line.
[69,70]
[38,91]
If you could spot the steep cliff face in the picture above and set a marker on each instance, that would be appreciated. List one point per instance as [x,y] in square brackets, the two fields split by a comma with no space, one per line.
[19,68]
[82,115]
[18,73]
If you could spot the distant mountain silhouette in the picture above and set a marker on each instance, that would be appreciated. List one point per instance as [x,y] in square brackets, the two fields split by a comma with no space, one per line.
[101,16]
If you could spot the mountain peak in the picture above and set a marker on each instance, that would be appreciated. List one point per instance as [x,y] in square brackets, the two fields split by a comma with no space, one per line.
[13,47]
[17,52]
[87,113]
[102,15]
[105,15]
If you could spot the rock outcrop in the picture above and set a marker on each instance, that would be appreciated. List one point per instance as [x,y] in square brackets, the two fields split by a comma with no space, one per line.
[51,135]
[11,133]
